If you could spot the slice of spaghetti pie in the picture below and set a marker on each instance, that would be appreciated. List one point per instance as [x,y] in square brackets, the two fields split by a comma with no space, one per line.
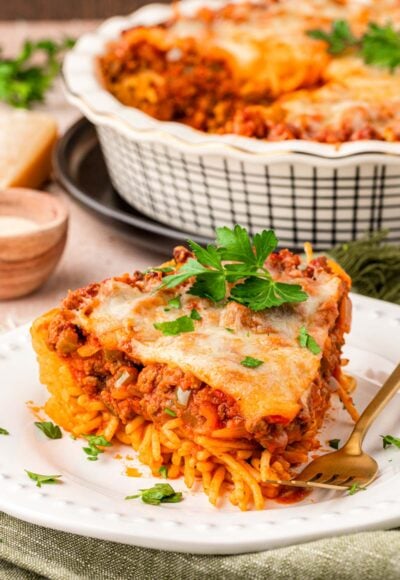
[218,366]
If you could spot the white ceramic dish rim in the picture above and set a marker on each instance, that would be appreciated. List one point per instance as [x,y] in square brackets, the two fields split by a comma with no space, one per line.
[87,510]
[84,90]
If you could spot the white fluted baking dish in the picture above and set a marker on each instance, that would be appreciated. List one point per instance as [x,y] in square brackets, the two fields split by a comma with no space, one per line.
[195,181]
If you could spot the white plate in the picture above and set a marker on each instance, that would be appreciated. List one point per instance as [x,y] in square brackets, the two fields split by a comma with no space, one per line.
[91,499]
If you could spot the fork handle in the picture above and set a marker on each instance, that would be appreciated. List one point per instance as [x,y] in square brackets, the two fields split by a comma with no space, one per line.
[383,396]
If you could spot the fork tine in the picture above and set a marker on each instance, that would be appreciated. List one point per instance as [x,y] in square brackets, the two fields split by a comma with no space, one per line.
[310,484]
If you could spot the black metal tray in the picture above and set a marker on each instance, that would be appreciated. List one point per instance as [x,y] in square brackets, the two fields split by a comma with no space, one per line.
[80,168]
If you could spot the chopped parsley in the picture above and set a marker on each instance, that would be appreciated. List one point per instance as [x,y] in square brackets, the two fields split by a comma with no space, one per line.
[355,488]
[169,412]
[174,327]
[43,479]
[251,363]
[163,471]
[378,46]
[173,303]
[389,440]
[160,493]
[51,430]
[334,443]
[3,431]
[194,315]
[93,450]
[307,341]
[230,330]
[236,258]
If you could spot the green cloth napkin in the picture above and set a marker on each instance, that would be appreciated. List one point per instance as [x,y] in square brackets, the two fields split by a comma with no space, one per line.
[33,552]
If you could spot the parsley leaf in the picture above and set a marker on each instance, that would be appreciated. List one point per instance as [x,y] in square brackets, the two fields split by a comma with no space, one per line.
[160,493]
[51,430]
[195,315]
[381,46]
[251,363]
[355,488]
[93,451]
[174,327]
[42,479]
[235,245]
[208,256]
[338,39]
[173,303]
[163,471]
[307,341]
[3,431]
[211,285]
[261,293]
[334,443]
[389,440]
[169,412]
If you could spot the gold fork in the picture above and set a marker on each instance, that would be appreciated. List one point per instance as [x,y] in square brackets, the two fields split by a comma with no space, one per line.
[349,467]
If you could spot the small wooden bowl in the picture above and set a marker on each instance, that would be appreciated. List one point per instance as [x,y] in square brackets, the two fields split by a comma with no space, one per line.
[28,259]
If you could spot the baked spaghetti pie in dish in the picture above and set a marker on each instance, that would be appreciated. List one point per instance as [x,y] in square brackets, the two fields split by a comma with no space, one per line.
[276,69]
[218,366]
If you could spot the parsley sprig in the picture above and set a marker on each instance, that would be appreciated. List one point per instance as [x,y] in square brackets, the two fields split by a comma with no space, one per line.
[379,45]
[95,443]
[42,479]
[24,80]
[160,493]
[236,258]
[388,440]
[3,431]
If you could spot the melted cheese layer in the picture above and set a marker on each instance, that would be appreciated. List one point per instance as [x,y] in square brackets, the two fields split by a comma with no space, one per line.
[122,317]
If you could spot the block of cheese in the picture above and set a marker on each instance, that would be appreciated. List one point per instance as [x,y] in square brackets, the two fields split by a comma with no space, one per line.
[26,144]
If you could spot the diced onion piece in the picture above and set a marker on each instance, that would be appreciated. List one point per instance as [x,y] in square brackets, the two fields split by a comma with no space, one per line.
[122,379]
[182,396]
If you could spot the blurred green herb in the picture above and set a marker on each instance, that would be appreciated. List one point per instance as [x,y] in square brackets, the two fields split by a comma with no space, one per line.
[379,45]
[25,79]
[163,471]
[373,264]
[334,443]
[339,38]
[389,440]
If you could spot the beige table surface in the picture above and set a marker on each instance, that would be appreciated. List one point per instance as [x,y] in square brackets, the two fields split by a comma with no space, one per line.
[94,250]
